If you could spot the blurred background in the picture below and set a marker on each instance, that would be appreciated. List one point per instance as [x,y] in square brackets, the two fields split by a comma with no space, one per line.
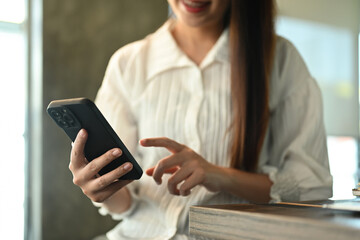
[58,49]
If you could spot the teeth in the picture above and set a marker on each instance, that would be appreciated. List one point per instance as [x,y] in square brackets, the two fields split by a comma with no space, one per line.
[194,4]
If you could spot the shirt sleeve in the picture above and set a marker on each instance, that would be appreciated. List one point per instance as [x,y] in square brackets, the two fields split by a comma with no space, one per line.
[298,162]
[120,216]
[113,102]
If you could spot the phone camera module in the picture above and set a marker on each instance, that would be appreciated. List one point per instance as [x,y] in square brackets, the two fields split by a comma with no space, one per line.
[64,118]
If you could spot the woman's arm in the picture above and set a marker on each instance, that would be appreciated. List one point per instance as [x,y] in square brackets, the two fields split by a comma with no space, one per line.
[119,202]
[253,187]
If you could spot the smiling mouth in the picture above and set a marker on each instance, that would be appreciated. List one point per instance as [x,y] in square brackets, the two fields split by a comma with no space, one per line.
[195,6]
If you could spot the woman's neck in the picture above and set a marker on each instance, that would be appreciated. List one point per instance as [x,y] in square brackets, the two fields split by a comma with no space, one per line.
[196,42]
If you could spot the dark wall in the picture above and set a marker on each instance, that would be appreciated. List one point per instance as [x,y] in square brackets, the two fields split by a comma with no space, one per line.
[79,37]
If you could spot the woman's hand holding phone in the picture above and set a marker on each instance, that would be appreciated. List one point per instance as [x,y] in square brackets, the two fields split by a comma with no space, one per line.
[95,187]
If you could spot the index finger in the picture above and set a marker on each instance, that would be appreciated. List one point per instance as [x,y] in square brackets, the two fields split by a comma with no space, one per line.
[150,171]
[77,159]
[167,143]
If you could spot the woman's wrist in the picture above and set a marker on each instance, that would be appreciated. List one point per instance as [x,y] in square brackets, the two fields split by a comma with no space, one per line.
[253,187]
[217,179]
[119,202]
[227,180]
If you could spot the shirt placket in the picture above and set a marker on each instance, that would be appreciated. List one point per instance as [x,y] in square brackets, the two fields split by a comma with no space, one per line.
[197,95]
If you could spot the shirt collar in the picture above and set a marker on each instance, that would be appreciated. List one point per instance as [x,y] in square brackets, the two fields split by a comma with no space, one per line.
[164,53]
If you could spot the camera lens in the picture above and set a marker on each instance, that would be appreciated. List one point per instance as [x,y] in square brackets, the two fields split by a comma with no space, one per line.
[55,114]
[68,118]
[63,123]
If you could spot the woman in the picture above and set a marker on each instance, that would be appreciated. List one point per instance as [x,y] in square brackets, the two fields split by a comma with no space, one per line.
[241,116]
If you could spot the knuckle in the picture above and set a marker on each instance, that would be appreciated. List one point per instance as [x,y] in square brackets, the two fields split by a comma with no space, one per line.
[187,150]
[74,153]
[76,181]
[101,182]
[71,166]
[182,188]
[97,198]
[86,192]
[192,164]
[186,193]
[171,190]
[93,166]
[109,156]
[120,171]
[171,182]
[161,164]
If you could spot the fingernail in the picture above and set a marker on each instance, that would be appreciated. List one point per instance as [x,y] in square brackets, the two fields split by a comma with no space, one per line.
[127,166]
[116,152]
[82,133]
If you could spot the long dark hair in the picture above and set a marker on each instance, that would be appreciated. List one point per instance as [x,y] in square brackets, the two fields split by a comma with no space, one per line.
[252,44]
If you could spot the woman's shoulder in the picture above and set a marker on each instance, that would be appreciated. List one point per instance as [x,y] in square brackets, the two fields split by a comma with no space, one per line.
[288,63]
[131,63]
[289,73]
[288,58]
[131,51]
[137,52]
[283,43]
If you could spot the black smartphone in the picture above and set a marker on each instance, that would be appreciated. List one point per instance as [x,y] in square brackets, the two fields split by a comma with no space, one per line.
[74,114]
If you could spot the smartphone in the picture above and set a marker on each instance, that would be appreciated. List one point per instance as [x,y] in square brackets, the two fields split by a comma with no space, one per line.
[74,114]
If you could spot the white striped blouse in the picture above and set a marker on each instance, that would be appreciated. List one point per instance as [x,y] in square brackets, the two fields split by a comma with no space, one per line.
[152,89]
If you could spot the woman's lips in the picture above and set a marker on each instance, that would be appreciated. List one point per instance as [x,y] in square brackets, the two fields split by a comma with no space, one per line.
[195,6]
